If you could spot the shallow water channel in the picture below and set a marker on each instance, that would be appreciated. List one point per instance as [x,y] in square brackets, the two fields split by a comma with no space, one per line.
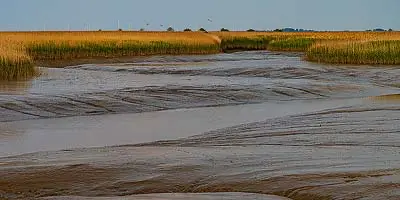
[230,126]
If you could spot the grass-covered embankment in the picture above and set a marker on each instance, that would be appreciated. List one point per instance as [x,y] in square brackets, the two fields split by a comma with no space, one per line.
[42,47]
[51,50]
[324,47]
[78,45]
[21,50]
[363,52]
[245,43]
[291,44]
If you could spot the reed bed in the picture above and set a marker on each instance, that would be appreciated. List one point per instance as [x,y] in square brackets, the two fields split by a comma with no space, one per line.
[20,50]
[76,45]
[14,63]
[245,43]
[360,52]
[329,35]
[326,47]
[50,50]
[291,44]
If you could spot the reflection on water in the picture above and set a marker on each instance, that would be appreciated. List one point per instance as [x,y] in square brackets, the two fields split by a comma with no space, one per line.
[9,133]
[252,122]
[393,98]
[111,130]
[15,87]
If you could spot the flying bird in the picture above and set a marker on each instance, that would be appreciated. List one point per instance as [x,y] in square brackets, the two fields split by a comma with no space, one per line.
[209,20]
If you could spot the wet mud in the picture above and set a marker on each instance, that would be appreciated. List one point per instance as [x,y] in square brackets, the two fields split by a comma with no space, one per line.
[342,144]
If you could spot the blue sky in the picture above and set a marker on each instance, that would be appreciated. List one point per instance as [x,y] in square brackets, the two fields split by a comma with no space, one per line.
[232,14]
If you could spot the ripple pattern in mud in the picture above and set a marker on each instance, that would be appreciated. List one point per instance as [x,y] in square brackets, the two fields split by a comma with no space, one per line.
[136,100]
[344,153]
[363,125]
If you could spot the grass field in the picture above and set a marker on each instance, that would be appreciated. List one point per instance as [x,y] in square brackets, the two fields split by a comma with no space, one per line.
[19,51]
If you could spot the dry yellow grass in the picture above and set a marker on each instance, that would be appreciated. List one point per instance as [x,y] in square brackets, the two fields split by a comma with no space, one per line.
[177,37]
[19,50]
[354,36]
[23,48]
[72,45]
[15,64]
[327,47]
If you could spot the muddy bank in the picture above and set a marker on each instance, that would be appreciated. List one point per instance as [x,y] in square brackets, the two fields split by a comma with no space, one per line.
[150,99]
[333,154]
[267,124]
[20,137]
[173,82]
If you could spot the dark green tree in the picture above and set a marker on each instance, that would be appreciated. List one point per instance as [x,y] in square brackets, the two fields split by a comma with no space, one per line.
[203,30]
[224,30]
[170,29]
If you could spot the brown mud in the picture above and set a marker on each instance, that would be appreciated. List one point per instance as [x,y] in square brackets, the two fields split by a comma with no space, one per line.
[268,123]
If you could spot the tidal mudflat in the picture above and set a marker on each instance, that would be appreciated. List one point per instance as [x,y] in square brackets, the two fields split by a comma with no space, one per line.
[249,122]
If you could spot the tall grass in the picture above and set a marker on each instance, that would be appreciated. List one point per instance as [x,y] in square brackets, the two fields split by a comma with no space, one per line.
[327,47]
[14,63]
[20,50]
[245,43]
[75,45]
[51,50]
[361,52]
[291,44]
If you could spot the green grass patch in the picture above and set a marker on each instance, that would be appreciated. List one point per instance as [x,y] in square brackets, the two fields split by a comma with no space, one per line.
[57,51]
[245,43]
[373,52]
[291,44]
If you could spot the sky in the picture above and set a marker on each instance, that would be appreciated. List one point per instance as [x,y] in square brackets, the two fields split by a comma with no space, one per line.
[180,14]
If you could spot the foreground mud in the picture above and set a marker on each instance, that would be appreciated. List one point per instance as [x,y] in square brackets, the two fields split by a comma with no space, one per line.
[348,154]
[346,150]
[181,196]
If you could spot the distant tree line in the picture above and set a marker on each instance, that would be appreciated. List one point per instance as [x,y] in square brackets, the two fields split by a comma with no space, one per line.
[171,29]
[379,30]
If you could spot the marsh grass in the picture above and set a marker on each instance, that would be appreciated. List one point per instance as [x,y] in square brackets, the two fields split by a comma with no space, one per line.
[245,43]
[19,51]
[51,50]
[61,45]
[385,52]
[14,63]
[291,44]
